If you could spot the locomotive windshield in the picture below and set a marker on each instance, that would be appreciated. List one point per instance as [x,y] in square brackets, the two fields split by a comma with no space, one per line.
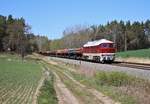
[107,45]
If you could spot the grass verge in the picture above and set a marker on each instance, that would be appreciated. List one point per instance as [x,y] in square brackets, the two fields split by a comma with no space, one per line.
[47,92]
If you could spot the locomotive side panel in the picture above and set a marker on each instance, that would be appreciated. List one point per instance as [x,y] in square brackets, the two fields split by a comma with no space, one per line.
[103,52]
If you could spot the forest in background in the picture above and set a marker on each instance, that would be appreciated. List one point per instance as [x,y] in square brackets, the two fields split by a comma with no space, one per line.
[16,36]
[126,35]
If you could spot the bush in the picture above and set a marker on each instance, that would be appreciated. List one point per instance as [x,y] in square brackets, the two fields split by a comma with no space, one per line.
[113,78]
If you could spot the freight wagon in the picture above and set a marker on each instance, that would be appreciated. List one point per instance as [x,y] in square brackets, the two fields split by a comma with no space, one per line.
[100,51]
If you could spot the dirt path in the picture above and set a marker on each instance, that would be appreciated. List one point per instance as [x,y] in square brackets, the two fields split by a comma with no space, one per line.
[41,81]
[66,94]
[104,99]
[63,94]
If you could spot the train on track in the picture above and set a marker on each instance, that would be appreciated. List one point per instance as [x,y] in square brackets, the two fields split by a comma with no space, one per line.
[99,51]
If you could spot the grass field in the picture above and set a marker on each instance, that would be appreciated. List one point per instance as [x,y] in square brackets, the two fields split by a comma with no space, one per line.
[143,53]
[18,80]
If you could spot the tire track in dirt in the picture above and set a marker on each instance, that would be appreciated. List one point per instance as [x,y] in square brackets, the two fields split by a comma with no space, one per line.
[63,98]
[84,98]
[63,94]
[97,94]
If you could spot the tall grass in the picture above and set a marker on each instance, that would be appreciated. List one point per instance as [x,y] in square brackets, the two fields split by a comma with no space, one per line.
[113,78]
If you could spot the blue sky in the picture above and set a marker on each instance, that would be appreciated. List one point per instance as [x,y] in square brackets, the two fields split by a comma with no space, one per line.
[51,17]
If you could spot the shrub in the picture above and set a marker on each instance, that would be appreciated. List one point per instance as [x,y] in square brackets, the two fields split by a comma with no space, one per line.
[113,78]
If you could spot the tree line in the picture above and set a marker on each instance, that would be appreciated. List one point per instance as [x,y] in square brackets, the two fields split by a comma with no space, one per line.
[126,35]
[16,36]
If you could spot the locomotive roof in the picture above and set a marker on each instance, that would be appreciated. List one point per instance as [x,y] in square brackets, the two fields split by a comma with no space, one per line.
[97,42]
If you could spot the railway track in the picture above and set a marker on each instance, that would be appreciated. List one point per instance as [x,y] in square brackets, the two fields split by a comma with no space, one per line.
[141,66]
[138,70]
[132,65]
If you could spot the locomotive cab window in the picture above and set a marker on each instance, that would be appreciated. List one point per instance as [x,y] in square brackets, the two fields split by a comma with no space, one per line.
[107,45]
[111,45]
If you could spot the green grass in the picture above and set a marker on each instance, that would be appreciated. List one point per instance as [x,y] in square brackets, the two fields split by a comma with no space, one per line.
[18,80]
[47,92]
[143,53]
